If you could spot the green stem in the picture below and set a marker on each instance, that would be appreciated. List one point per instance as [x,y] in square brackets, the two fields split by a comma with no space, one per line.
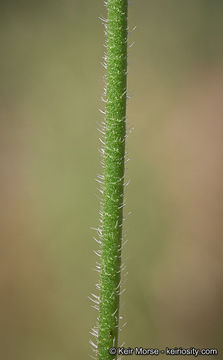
[113,190]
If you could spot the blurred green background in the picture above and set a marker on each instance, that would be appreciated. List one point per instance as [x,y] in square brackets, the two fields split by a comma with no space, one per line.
[50,89]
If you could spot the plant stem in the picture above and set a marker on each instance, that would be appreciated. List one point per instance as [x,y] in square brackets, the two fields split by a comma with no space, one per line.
[113,190]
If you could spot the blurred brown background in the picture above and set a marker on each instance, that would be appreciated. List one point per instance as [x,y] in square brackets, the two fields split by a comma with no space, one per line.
[50,89]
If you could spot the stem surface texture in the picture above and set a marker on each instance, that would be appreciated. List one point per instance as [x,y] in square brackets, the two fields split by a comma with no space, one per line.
[113,188]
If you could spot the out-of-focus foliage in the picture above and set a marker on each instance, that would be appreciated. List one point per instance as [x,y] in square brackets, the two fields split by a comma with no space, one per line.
[51,83]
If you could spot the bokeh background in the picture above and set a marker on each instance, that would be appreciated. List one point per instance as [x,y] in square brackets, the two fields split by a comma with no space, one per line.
[50,89]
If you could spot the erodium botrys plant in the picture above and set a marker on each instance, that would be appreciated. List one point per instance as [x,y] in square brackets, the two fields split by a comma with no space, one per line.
[112,182]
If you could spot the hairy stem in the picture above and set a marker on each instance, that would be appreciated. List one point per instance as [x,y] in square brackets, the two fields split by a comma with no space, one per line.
[113,190]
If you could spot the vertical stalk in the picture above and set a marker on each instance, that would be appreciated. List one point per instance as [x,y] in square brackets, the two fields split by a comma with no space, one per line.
[113,190]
